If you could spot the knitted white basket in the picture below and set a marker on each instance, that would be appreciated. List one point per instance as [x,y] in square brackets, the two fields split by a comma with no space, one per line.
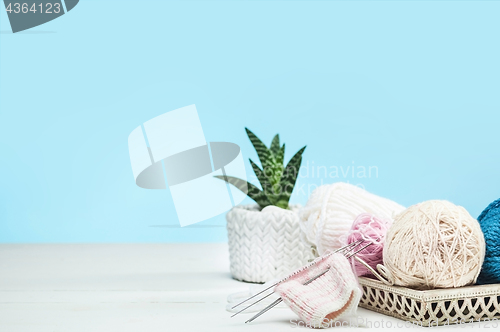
[433,307]
[264,245]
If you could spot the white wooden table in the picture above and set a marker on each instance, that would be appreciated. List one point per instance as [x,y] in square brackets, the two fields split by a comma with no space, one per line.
[128,287]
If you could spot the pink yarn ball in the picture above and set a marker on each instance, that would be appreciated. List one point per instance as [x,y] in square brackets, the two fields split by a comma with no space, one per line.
[371,229]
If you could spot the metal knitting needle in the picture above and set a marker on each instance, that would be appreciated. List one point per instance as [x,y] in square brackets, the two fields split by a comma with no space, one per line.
[353,245]
[278,301]
[269,307]
[306,283]
[354,253]
[265,297]
[340,249]
[348,250]
[251,297]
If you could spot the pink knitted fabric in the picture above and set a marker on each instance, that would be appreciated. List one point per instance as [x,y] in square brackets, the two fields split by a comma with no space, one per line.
[328,298]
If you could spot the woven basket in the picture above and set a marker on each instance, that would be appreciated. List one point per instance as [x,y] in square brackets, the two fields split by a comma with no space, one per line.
[264,245]
[432,307]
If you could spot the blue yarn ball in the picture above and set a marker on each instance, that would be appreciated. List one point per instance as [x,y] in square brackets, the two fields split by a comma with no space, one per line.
[489,220]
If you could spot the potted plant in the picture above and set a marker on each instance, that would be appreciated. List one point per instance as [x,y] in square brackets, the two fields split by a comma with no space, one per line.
[264,238]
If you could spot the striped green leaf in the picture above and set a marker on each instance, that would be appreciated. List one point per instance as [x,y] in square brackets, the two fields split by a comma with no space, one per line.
[275,145]
[263,179]
[290,175]
[265,156]
[276,180]
[247,188]
[280,156]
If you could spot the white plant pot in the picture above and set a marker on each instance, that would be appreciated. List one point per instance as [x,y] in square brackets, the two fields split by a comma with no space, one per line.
[264,245]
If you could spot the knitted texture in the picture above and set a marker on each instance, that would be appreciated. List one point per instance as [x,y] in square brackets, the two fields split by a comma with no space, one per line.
[328,298]
[489,220]
[264,245]
[434,244]
[331,210]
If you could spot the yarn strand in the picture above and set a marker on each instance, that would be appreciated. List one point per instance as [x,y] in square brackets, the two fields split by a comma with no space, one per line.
[434,244]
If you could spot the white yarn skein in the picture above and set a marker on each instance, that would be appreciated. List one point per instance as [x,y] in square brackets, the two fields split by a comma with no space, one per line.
[434,244]
[331,210]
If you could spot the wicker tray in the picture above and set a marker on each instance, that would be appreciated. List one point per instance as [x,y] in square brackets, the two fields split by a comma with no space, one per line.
[432,307]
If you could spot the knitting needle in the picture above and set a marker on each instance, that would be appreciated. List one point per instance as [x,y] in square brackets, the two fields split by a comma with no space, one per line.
[306,283]
[269,307]
[354,253]
[278,301]
[352,246]
[348,250]
[340,249]
[251,297]
[265,297]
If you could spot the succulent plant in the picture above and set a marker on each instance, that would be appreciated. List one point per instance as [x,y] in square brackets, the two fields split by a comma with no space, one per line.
[276,180]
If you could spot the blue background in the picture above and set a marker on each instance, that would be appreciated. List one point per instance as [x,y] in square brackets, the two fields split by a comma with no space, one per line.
[409,87]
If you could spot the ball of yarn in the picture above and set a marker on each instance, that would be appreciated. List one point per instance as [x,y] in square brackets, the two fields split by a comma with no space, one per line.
[489,220]
[370,229]
[331,210]
[434,244]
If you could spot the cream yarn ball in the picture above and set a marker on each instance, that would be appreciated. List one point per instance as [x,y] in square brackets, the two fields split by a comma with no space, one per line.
[332,208]
[434,244]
